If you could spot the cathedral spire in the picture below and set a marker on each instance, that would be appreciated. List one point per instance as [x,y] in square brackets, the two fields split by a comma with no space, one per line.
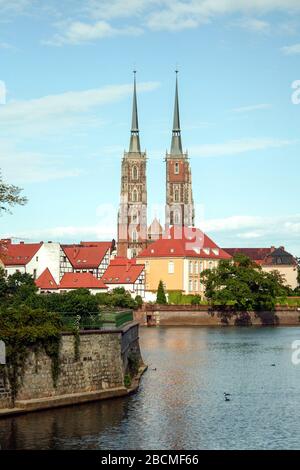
[176,146]
[134,145]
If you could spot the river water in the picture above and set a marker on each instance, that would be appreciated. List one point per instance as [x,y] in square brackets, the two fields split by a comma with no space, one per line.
[180,403]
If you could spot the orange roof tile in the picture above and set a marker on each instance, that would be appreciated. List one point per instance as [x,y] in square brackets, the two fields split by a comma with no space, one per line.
[184,242]
[17,254]
[46,280]
[122,271]
[81,280]
[86,256]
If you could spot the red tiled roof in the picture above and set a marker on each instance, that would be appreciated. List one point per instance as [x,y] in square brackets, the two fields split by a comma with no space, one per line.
[99,244]
[256,254]
[122,271]
[46,280]
[17,254]
[186,242]
[81,280]
[86,256]
[266,256]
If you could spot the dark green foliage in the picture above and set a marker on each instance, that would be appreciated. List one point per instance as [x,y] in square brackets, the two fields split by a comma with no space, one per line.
[133,364]
[127,381]
[118,297]
[139,301]
[161,296]
[10,196]
[23,329]
[3,286]
[243,285]
[196,300]
[178,298]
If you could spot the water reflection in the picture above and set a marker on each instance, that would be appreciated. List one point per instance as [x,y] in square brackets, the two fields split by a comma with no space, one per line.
[181,403]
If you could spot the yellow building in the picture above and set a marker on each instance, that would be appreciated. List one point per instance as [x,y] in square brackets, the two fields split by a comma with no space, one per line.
[178,258]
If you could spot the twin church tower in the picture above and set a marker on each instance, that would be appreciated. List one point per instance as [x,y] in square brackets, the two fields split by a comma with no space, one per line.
[133,232]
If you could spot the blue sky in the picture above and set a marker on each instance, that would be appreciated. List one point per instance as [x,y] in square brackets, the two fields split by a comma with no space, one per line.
[67,69]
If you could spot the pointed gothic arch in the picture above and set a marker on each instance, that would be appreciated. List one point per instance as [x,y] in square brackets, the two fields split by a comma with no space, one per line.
[135,172]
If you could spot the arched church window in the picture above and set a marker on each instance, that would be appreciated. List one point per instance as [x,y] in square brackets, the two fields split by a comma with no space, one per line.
[176,168]
[134,195]
[135,172]
[176,218]
[134,236]
[176,195]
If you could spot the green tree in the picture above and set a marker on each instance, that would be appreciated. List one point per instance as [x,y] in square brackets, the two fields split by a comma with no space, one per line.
[161,296]
[23,329]
[21,287]
[3,285]
[10,195]
[243,285]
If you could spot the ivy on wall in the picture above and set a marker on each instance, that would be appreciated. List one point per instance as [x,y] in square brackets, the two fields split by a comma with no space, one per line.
[24,330]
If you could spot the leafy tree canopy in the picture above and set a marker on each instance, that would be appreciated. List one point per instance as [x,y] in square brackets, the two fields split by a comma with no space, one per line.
[243,285]
[10,195]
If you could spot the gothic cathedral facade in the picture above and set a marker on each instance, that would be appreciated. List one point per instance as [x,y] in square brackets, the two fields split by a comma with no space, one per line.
[133,235]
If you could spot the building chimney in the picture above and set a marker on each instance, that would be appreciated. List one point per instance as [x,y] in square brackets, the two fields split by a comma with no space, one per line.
[273,249]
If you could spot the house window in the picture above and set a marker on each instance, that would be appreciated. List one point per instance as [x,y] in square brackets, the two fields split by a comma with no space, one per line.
[196,267]
[135,172]
[191,267]
[201,266]
[176,168]
[36,258]
[171,267]
[195,285]
[34,274]
[190,285]
[210,265]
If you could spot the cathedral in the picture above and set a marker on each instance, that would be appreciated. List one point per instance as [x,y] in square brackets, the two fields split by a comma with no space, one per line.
[134,235]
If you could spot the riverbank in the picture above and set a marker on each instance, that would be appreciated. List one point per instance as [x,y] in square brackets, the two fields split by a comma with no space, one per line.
[180,404]
[98,367]
[201,315]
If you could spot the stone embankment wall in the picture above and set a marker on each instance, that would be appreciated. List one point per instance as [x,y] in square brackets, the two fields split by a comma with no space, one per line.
[99,367]
[200,315]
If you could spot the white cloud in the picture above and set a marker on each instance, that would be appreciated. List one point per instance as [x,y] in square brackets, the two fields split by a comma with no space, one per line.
[243,230]
[255,107]
[69,232]
[91,20]
[234,147]
[291,50]
[67,103]
[178,15]
[78,32]
[254,25]
[233,231]
[19,166]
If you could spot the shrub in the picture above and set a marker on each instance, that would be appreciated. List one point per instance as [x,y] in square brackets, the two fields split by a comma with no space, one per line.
[161,296]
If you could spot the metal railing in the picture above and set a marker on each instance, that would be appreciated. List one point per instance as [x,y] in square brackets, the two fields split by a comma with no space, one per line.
[97,320]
